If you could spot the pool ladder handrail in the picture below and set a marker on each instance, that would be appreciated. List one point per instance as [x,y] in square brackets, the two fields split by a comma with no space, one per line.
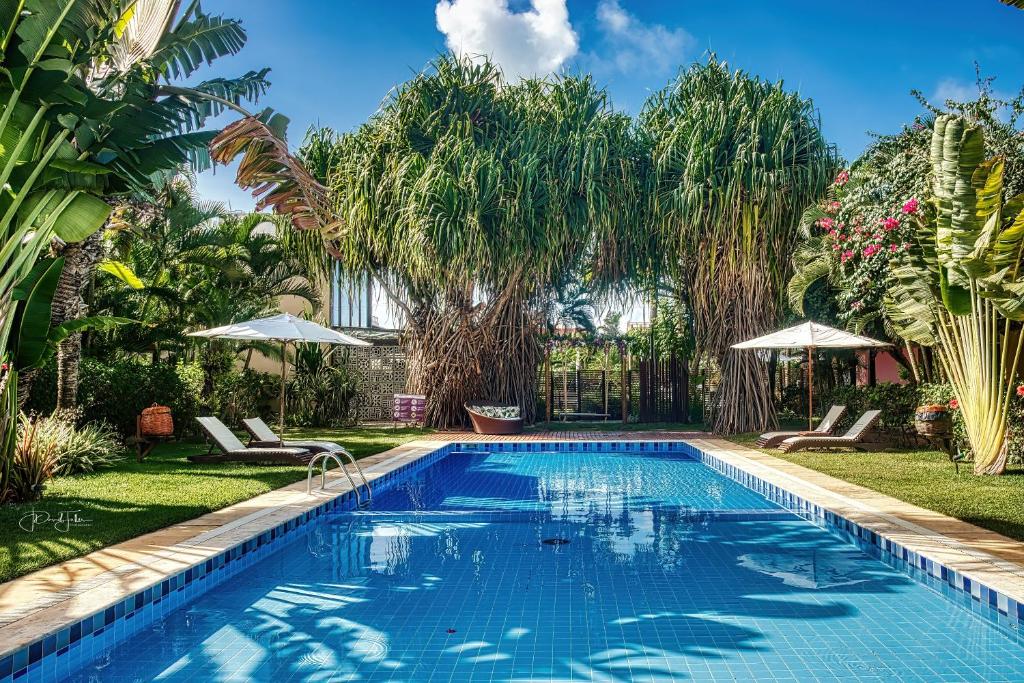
[323,457]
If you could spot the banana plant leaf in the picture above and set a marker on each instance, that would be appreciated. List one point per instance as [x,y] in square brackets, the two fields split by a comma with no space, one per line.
[35,297]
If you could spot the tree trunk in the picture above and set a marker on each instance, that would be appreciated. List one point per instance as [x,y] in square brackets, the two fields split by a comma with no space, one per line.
[742,402]
[469,352]
[997,466]
[69,304]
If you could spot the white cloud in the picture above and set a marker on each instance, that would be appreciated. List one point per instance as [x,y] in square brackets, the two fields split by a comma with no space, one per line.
[952,89]
[638,47]
[535,42]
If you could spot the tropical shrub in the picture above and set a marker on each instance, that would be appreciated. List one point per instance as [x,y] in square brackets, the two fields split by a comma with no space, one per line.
[961,287]
[238,395]
[1015,430]
[319,394]
[76,447]
[897,402]
[115,392]
[34,461]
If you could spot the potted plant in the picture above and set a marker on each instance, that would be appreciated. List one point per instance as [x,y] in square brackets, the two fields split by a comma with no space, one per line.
[933,420]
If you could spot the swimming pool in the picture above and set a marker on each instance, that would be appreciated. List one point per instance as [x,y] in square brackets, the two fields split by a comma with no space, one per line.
[516,563]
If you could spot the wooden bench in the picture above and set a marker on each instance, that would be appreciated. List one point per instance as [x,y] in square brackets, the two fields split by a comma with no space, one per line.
[593,416]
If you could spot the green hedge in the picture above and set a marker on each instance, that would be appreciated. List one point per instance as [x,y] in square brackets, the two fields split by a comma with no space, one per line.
[899,401]
[116,392]
[896,401]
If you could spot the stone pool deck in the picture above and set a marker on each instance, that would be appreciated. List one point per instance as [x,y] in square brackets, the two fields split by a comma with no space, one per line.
[49,599]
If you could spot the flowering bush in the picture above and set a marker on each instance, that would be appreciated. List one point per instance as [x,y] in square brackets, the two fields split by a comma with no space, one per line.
[864,239]
[1015,431]
[856,234]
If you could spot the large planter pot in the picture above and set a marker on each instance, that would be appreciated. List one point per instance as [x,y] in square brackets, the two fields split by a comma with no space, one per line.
[491,425]
[933,421]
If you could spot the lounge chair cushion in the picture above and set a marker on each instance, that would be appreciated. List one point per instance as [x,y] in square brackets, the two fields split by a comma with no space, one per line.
[500,412]
[854,437]
[825,427]
[259,429]
[264,437]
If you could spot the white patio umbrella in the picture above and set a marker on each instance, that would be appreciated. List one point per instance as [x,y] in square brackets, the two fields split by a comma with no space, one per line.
[283,328]
[811,336]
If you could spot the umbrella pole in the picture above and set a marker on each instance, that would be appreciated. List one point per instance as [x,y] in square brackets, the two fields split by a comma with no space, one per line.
[284,375]
[810,388]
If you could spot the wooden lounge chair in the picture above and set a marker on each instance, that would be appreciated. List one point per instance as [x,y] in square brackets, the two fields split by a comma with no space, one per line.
[233,450]
[853,438]
[262,436]
[825,428]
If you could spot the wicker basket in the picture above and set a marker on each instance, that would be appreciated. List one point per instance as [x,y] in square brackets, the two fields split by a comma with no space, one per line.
[933,422]
[156,421]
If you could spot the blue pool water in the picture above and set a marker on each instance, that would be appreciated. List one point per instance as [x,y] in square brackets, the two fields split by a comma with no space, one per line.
[660,570]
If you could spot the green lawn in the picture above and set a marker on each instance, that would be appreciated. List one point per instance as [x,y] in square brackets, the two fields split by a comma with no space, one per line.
[133,498]
[927,479]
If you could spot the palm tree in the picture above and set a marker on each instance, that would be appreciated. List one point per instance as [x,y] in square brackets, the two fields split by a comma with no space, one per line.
[571,305]
[151,46]
[195,265]
[962,288]
[733,162]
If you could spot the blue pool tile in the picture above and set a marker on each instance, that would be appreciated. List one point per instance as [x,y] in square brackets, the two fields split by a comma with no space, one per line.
[673,571]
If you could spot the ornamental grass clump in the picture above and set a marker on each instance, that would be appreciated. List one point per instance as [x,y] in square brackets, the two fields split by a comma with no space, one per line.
[55,445]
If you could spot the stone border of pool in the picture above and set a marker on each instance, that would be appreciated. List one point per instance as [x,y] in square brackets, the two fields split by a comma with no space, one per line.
[56,619]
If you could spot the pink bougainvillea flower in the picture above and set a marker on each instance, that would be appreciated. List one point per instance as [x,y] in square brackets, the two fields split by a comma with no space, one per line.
[910,206]
[890,223]
[826,223]
[842,178]
[872,249]
[894,248]
[1020,391]
[954,404]
[847,255]
[832,207]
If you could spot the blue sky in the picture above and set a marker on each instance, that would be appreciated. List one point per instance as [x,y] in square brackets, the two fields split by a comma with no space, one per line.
[333,61]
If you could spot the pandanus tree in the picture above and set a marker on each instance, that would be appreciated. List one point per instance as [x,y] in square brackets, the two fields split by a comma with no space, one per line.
[733,162]
[961,287]
[469,197]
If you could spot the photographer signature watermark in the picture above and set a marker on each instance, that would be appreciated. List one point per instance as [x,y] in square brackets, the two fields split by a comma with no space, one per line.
[60,521]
